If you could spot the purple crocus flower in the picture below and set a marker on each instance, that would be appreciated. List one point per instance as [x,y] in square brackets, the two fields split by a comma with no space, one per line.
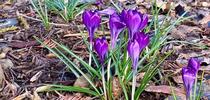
[134,51]
[92,20]
[135,47]
[101,48]
[134,21]
[143,39]
[189,75]
[116,26]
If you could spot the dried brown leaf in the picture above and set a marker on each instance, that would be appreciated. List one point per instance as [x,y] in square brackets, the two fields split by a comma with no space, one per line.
[6,63]
[81,81]
[166,90]
[178,79]
[181,31]
[116,87]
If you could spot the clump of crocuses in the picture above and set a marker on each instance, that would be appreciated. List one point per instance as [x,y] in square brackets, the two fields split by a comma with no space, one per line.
[134,21]
[189,75]
[138,40]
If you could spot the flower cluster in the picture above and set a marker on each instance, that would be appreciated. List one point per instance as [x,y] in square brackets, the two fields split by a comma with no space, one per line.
[189,75]
[132,19]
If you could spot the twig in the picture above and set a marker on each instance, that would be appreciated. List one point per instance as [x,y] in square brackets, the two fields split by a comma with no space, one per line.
[55,24]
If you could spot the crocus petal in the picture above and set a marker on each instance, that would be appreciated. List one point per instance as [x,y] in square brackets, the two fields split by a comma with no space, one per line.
[116,26]
[133,51]
[134,21]
[194,64]
[143,39]
[92,20]
[144,22]
[101,48]
[188,77]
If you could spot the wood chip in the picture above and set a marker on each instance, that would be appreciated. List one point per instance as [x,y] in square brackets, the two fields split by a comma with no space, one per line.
[36,76]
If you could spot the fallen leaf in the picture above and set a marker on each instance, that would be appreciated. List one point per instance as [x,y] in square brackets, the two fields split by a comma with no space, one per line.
[116,87]
[81,81]
[6,63]
[178,79]
[166,90]
[140,76]
[182,31]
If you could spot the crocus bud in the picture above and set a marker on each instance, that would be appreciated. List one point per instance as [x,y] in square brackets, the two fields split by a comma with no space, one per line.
[189,75]
[101,48]
[194,64]
[134,51]
[143,39]
[134,21]
[135,46]
[92,20]
[116,26]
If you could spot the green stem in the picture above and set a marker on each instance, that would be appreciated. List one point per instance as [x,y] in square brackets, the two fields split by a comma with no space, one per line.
[133,84]
[108,69]
[195,86]
[90,58]
[103,81]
